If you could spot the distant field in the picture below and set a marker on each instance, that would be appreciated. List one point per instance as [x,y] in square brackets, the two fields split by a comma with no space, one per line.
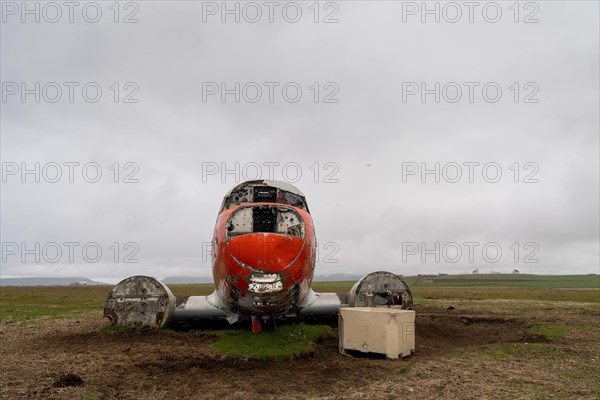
[25,302]
[480,287]
[18,303]
[508,280]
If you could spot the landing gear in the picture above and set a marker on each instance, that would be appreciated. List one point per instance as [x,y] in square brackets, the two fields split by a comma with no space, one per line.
[256,325]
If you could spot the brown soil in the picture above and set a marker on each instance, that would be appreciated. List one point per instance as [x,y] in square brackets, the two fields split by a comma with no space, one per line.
[181,365]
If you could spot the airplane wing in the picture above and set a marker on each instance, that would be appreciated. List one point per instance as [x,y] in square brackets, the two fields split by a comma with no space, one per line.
[143,300]
[198,308]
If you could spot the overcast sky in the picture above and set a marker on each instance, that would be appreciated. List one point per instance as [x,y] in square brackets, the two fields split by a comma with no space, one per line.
[516,98]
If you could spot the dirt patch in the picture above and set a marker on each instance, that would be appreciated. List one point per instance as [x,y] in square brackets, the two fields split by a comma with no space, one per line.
[68,380]
[439,333]
[181,364]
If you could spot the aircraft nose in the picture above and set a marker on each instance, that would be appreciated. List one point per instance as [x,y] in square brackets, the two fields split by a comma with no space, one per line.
[266,252]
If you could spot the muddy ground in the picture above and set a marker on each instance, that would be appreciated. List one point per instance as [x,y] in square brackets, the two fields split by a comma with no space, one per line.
[455,358]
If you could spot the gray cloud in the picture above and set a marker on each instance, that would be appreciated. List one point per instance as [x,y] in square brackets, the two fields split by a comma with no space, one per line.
[370,212]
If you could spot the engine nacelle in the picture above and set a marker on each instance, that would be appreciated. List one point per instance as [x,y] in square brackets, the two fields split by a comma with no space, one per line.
[380,289]
[140,300]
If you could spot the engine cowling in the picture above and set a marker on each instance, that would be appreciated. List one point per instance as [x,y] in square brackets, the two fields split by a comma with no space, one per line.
[381,289]
[140,301]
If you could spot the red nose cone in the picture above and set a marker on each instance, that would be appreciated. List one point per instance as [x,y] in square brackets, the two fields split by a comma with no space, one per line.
[267,252]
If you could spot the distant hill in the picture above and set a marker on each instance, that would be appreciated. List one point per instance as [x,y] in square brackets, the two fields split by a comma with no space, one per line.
[336,277]
[182,280]
[41,281]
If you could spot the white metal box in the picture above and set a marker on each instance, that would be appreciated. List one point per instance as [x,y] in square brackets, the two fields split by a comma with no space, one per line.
[386,331]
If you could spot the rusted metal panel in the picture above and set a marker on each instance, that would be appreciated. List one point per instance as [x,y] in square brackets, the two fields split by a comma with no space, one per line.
[140,300]
[381,289]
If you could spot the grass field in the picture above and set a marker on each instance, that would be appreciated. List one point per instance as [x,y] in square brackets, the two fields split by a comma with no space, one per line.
[19,303]
[508,280]
[487,336]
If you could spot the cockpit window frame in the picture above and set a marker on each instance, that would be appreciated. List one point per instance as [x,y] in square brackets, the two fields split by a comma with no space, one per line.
[244,221]
[244,194]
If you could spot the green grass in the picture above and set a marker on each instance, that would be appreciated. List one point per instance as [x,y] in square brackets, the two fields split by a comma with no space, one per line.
[549,331]
[26,302]
[285,342]
[508,280]
[22,303]
[19,303]
[201,289]
[507,350]
[341,286]
[503,293]
[493,286]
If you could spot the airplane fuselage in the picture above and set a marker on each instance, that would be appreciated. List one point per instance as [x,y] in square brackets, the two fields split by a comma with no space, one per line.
[263,258]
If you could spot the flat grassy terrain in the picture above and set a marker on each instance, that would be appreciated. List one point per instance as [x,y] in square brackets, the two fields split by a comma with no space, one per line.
[508,280]
[24,302]
[476,341]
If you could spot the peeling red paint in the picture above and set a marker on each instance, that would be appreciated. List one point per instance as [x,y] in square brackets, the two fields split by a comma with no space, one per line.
[289,256]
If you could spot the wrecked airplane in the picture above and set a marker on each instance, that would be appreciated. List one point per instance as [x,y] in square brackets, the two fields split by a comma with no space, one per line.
[263,260]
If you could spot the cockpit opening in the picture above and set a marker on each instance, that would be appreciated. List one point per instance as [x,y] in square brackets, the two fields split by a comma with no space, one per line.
[265,219]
